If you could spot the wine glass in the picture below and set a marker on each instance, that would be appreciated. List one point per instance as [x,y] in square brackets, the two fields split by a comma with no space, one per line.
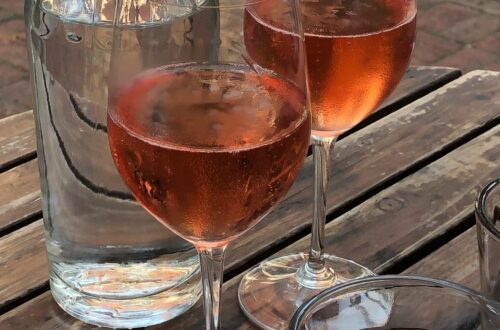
[419,303]
[357,52]
[207,140]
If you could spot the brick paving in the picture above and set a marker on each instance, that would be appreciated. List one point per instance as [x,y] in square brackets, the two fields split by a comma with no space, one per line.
[15,93]
[458,33]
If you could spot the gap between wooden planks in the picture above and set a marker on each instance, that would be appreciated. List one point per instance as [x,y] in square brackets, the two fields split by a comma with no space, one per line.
[457,261]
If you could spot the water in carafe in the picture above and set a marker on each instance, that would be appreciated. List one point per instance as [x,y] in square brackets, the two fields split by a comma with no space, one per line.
[111,263]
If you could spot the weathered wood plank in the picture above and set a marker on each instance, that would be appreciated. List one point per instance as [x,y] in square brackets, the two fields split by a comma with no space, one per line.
[19,194]
[457,261]
[17,139]
[22,260]
[417,209]
[418,81]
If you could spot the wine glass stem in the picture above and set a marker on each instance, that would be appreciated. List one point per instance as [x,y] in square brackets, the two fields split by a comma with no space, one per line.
[321,154]
[313,273]
[212,268]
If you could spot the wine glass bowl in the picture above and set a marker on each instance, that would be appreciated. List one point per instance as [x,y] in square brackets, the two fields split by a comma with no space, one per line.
[207,140]
[356,57]
[357,52]
[190,139]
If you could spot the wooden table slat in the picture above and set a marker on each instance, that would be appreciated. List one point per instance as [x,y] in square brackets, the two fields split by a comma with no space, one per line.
[464,270]
[22,254]
[457,261]
[17,139]
[418,82]
[402,183]
[21,198]
[294,210]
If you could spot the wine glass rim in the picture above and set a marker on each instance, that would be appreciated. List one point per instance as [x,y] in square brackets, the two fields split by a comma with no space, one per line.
[402,280]
[481,215]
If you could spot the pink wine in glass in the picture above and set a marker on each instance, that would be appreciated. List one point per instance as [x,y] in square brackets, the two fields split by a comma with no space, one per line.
[208,151]
[357,52]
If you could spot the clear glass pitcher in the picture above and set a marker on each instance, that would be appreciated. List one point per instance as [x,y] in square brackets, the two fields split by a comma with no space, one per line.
[111,263]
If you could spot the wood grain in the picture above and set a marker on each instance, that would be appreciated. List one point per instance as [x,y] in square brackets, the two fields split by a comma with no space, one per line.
[23,201]
[19,194]
[419,208]
[457,261]
[418,82]
[22,260]
[17,139]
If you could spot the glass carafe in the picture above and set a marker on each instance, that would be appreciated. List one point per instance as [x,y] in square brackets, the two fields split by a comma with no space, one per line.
[111,263]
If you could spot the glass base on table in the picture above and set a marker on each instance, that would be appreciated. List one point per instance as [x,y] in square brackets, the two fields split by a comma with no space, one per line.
[270,293]
[127,313]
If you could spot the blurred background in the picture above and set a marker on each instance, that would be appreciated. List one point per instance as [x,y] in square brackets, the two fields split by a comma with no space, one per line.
[458,33]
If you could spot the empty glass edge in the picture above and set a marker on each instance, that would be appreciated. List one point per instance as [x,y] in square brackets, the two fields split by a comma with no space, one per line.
[390,280]
[481,208]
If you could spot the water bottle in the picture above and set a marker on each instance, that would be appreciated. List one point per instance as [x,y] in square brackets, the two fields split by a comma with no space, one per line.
[111,264]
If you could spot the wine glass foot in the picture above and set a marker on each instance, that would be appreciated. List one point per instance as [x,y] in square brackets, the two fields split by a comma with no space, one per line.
[270,293]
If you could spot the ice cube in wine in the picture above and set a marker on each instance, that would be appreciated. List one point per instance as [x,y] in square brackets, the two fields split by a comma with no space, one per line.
[357,52]
[209,151]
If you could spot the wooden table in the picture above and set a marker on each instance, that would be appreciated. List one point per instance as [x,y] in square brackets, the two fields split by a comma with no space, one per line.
[401,199]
